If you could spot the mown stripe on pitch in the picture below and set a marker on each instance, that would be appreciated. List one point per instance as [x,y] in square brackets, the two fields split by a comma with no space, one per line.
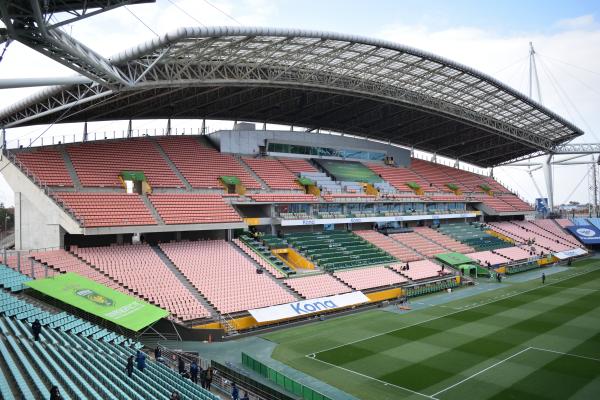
[462,358]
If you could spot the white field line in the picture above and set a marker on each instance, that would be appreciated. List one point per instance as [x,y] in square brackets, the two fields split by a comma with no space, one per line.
[476,305]
[374,379]
[566,354]
[482,371]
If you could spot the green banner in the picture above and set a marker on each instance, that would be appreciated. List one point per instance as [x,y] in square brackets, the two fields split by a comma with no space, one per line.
[94,298]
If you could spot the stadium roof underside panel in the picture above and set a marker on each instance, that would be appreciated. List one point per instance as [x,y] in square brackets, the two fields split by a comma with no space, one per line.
[367,87]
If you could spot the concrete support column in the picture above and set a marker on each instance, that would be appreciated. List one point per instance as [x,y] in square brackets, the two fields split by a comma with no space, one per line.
[178,236]
[120,238]
[547,168]
[32,267]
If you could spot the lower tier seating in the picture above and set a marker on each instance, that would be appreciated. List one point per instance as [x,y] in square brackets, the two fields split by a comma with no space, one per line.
[390,245]
[369,278]
[333,250]
[225,277]
[107,209]
[314,286]
[418,270]
[443,240]
[483,257]
[140,269]
[63,261]
[418,243]
[83,360]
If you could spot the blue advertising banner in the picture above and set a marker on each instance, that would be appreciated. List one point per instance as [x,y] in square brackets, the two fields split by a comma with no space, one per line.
[587,234]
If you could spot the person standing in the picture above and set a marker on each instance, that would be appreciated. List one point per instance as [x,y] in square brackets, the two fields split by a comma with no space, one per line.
[203,373]
[157,354]
[181,366]
[36,329]
[209,377]
[543,278]
[245,396]
[55,393]
[235,393]
[129,367]
[141,360]
[194,371]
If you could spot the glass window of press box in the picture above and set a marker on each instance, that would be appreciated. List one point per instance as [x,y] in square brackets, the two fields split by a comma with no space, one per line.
[325,152]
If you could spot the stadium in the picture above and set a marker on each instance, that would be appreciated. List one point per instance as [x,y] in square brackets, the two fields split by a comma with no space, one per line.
[326,260]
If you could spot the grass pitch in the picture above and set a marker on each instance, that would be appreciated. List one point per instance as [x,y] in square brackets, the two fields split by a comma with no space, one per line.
[525,341]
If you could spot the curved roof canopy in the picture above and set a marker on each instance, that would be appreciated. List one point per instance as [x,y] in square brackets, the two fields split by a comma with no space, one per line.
[366,87]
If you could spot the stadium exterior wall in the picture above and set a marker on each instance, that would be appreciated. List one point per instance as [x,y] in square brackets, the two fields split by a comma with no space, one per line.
[248,142]
[38,220]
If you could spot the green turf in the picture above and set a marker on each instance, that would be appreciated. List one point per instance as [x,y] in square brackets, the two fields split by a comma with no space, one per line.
[504,344]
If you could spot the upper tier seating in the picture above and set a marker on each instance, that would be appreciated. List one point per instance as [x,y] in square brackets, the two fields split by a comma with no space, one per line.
[202,166]
[140,269]
[333,250]
[564,222]
[523,234]
[368,278]
[514,253]
[63,261]
[193,208]
[434,174]
[422,269]
[550,226]
[487,256]
[297,165]
[100,163]
[399,176]
[273,173]
[47,165]
[225,277]
[497,204]
[313,286]
[443,240]
[107,209]
[390,245]
[283,198]
[418,243]
[516,203]
[473,235]
[467,181]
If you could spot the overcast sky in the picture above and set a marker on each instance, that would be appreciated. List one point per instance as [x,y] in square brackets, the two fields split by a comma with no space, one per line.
[490,36]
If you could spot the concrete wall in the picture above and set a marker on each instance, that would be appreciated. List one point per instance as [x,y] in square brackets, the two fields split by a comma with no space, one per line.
[39,222]
[248,142]
[32,229]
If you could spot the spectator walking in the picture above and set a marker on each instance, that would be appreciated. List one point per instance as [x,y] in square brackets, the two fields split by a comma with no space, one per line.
[140,359]
[129,367]
[181,366]
[245,396]
[194,371]
[209,377]
[36,329]
[55,393]
[203,373]
[543,278]
[235,393]
[157,354]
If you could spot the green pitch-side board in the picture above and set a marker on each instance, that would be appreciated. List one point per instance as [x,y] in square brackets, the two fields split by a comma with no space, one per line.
[87,295]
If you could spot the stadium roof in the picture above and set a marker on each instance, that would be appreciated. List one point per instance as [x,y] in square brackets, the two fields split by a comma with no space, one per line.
[320,80]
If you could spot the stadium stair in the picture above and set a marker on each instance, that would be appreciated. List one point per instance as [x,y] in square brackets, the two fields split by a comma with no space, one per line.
[172,165]
[253,174]
[152,209]
[185,282]
[70,168]
[267,273]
